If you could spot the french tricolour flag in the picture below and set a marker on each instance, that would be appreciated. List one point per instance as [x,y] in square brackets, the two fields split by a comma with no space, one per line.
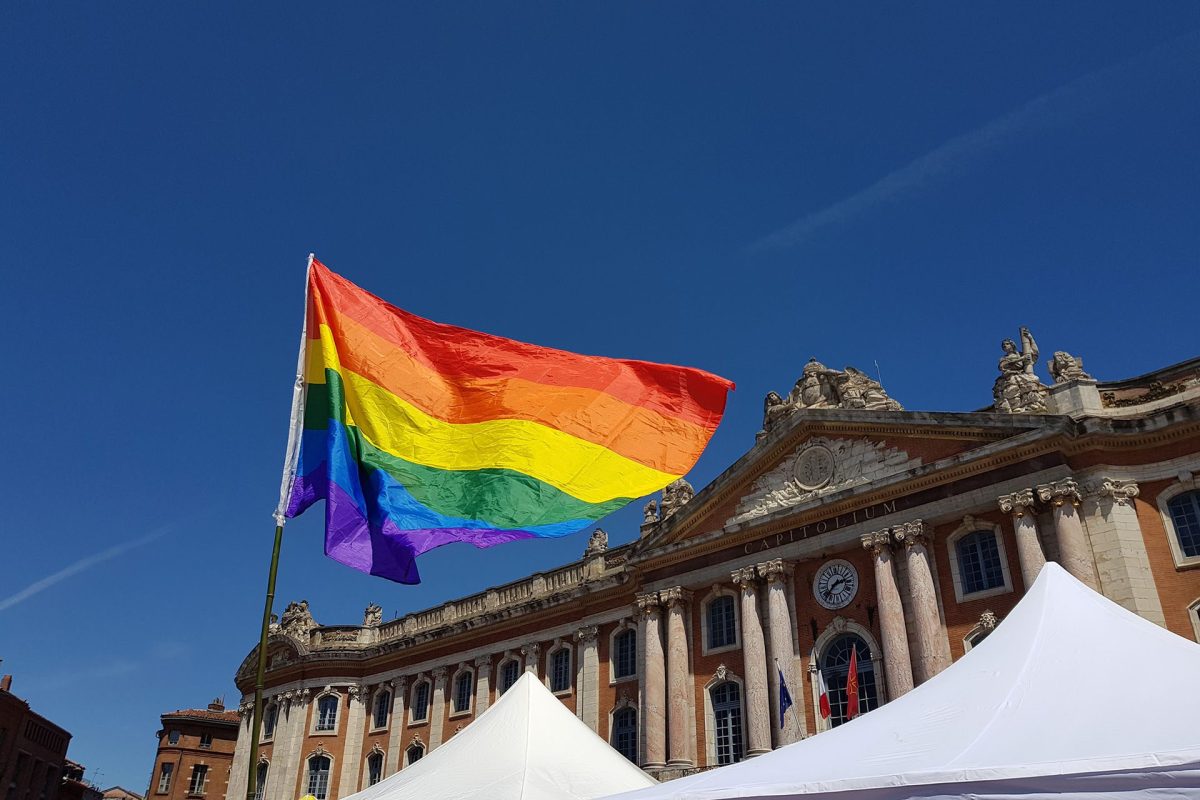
[824,702]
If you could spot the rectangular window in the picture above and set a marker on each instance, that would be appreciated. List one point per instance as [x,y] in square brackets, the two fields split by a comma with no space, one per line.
[260,781]
[164,778]
[173,737]
[560,670]
[270,717]
[206,741]
[374,769]
[508,675]
[625,658]
[383,705]
[979,562]
[318,777]
[722,628]
[464,684]
[420,704]
[197,781]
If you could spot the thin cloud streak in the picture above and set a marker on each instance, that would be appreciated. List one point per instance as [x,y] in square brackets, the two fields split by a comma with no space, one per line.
[960,152]
[80,566]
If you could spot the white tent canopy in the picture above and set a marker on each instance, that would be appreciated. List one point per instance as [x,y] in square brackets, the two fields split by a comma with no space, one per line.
[527,746]
[1071,694]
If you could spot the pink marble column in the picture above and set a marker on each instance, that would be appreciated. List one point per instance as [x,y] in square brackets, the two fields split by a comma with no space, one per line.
[679,692]
[930,658]
[754,651]
[896,660]
[793,726]
[1074,551]
[1029,549]
[654,710]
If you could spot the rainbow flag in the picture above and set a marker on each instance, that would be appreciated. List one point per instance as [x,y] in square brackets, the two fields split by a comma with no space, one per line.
[417,434]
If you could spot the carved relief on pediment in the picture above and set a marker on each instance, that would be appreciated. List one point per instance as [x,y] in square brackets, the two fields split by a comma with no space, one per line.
[819,467]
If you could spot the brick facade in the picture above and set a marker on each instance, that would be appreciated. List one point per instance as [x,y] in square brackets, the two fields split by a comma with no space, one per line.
[195,754]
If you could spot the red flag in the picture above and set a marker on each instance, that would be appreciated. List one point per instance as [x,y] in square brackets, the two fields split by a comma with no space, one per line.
[824,693]
[852,685]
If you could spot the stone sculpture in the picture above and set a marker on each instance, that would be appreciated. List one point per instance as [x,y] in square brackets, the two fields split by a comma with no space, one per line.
[1019,390]
[598,543]
[373,616]
[675,495]
[822,387]
[297,621]
[1066,367]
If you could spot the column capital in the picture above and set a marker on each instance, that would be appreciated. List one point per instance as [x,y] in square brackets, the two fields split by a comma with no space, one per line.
[1119,491]
[1059,492]
[531,650]
[1016,503]
[439,675]
[648,604]
[676,595]
[484,662]
[357,691]
[746,577]
[912,533]
[775,570]
[877,541]
[587,635]
[400,684]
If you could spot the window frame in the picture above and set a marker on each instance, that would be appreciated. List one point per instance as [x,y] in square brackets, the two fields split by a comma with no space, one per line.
[318,728]
[613,731]
[192,789]
[206,740]
[271,714]
[173,737]
[551,655]
[261,776]
[500,670]
[375,755]
[718,593]
[166,771]
[625,627]
[412,705]
[1186,483]
[731,708]
[408,751]
[380,694]
[463,672]
[308,774]
[968,526]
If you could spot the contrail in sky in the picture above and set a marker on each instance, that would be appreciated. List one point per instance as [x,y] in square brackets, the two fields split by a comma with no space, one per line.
[79,566]
[956,154]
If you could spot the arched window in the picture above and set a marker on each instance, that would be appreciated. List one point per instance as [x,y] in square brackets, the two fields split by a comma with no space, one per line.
[464,685]
[327,709]
[270,717]
[414,753]
[383,707]
[509,672]
[625,654]
[318,776]
[1185,516]
[979,562]
[727,713]
[560,670]
[721,623]
[260,781]
[374,768]
[624,733]
[835,667]
[420,701]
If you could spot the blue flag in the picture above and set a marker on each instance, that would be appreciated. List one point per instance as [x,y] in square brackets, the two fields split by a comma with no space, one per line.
[785,697]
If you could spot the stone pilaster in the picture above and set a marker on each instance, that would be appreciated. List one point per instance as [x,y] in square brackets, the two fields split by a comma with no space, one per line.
[1029,549]
[351,763]
[587,677]
[653,689]
[1122,563]
[437,713]
[679,690]
[930,658]
[483,684]
[754,650]
[1074,550]
[530,654]
[781,650]
[291,728]
[396,724]
[897,663]
[241,752]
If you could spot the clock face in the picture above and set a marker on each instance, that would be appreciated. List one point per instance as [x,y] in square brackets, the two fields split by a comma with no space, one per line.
[814,468]
[836,584]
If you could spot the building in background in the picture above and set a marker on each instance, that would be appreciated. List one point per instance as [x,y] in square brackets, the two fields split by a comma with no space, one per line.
[851,528]
[75,786]
[33,750]
[195,753]
[121,793]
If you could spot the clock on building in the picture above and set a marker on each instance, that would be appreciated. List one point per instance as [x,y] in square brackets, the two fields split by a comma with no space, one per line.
[835,584]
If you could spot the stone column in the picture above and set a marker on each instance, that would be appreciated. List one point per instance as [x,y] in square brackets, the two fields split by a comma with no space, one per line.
[437,713]
[781,649]
[679,692]
[897,663]
[530,653]
[1029,549]
[483,684]
[241,752]
[930,658]
[1074,550]
[356,698]
[1122,563]
[754,651]
[587,677]
[399,700]
[653,690]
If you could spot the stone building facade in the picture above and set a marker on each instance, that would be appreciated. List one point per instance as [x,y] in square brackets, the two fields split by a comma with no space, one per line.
[33,750]
[195,754]
[851,529]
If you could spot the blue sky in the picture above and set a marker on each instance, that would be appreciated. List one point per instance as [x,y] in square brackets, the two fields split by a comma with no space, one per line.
[735,187]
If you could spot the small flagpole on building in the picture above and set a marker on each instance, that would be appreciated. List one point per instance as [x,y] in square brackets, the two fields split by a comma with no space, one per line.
[290,460]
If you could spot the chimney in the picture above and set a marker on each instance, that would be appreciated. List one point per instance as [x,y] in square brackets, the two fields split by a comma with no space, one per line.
[216,705]
[6,683]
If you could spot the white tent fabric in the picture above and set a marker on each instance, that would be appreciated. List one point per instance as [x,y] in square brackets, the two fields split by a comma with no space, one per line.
[1071,694]
[527,746]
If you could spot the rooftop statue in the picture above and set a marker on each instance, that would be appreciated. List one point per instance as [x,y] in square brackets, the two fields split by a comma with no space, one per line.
[822,387]
[1019,390]
[1066,367]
